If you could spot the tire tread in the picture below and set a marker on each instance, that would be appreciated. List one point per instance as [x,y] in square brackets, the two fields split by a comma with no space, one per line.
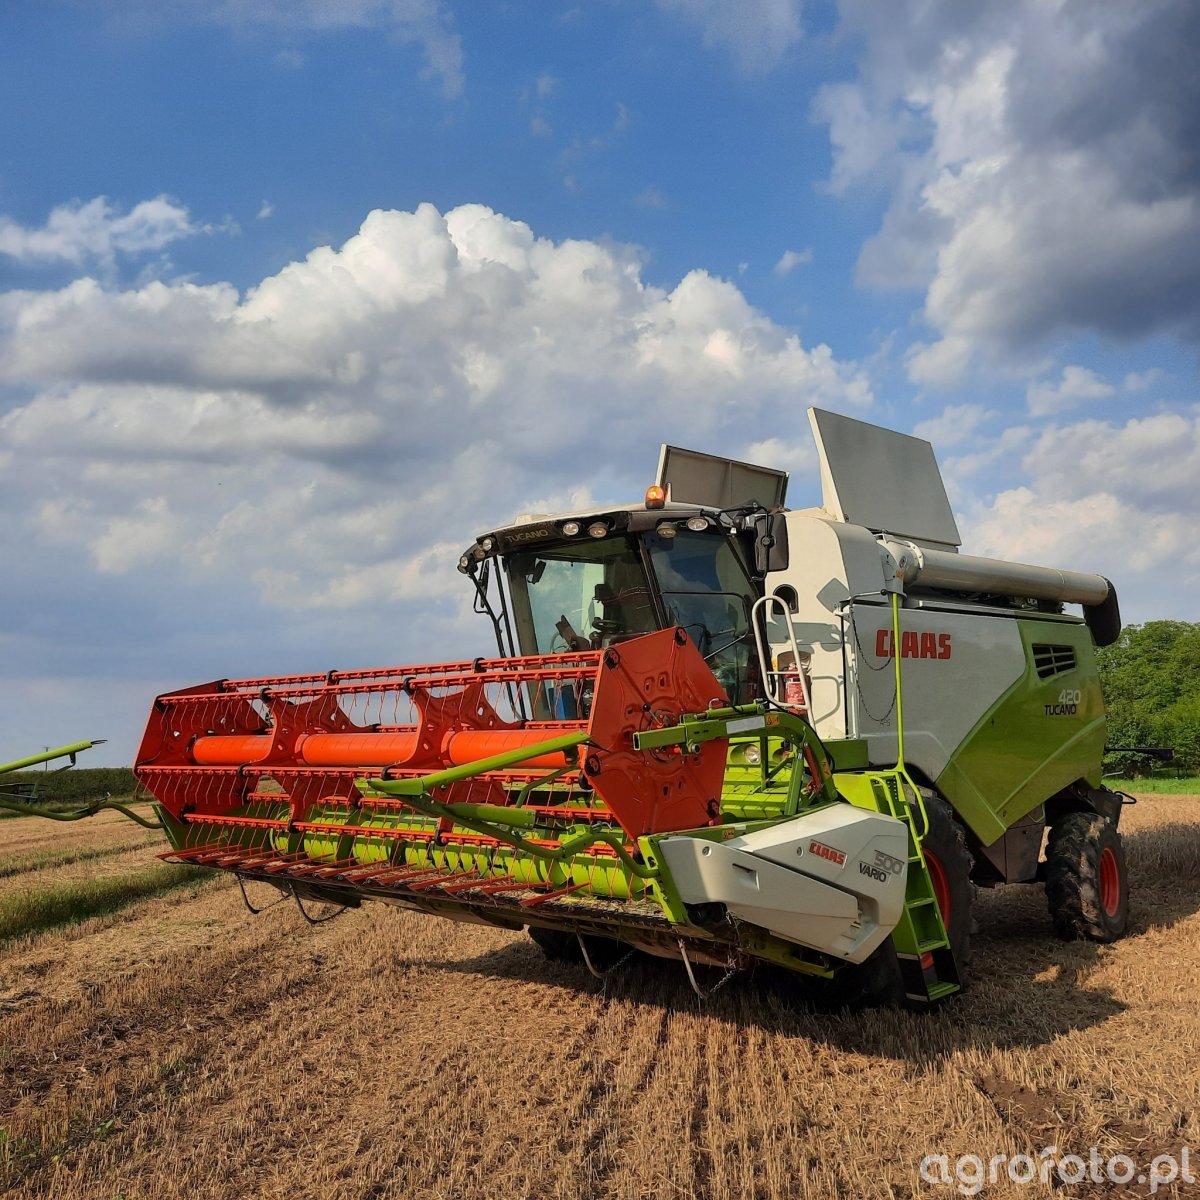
[1073,878]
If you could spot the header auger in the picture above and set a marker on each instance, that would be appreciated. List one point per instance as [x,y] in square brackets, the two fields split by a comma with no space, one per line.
[717,730]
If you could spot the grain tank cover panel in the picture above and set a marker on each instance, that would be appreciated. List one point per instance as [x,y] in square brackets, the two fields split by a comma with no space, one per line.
[884,480]
[708,479]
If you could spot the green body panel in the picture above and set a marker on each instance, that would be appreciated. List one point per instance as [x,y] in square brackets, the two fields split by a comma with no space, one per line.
[751,794]
[848,754]
[1030,744]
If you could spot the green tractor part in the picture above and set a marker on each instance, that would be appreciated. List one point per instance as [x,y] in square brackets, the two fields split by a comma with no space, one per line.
[49,756]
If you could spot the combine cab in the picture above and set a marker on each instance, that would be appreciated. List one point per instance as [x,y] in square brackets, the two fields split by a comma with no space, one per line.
[716,730]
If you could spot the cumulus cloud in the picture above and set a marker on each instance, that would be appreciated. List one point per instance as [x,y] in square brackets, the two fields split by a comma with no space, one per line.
[96,231]
[1140,381]
[797,456]
[1077,384]
[1152,462]
[1041,165]
[758,33]
[956,424]
[789,260]
[1119,500]
[328,438]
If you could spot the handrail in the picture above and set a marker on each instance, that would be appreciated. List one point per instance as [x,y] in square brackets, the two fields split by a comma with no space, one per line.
[765,602]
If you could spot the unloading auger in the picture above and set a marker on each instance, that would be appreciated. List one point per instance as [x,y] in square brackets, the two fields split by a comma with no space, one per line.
[21,797]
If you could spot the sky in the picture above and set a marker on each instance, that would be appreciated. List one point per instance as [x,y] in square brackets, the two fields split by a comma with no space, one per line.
[298,297]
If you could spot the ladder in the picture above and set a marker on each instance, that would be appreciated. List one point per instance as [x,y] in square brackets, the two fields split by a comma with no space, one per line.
[927,967]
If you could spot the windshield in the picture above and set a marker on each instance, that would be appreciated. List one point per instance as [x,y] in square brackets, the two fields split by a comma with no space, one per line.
[595,592]
[705,590]
[582,596]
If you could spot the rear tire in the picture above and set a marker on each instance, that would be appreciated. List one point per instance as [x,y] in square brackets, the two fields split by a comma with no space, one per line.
[1087,883]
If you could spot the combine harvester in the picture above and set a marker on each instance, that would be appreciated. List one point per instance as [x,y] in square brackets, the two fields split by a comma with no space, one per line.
[717,730]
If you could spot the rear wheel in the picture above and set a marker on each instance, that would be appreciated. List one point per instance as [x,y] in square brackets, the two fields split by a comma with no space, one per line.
[1087,884]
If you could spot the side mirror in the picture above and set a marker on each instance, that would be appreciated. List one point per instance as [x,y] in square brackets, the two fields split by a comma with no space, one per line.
[770,543]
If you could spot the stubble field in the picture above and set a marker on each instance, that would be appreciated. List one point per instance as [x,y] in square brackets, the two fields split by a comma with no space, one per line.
[181,1048]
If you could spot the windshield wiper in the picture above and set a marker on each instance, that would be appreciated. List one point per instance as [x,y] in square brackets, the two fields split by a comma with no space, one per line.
[741,637]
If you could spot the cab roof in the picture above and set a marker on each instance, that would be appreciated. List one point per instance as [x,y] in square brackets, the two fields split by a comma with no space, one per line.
[639,517]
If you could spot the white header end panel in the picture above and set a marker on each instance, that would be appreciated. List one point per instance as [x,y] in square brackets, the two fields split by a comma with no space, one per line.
[884,480]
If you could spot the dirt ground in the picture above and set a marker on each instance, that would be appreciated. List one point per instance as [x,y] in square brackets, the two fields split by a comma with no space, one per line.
[184,1048]
[107,844]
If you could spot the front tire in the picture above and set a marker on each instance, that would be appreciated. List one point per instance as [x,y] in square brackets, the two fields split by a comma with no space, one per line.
[949,863]
[1087,882]
[562,947]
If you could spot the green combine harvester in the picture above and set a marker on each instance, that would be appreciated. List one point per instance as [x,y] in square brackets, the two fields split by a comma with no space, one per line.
[717,730]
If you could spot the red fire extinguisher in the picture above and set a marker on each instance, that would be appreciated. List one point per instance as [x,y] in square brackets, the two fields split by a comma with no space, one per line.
[793,683]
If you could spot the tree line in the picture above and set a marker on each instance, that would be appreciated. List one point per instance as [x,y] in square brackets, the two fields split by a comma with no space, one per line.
[1151,681]
[78,786]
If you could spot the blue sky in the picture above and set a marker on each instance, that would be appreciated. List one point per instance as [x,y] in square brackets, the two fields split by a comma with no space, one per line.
[296,297]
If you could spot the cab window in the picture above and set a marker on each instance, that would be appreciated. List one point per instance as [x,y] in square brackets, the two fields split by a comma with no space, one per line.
[706,591]
[581,596]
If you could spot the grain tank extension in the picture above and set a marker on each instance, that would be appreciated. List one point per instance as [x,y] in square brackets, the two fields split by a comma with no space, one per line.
[716,730]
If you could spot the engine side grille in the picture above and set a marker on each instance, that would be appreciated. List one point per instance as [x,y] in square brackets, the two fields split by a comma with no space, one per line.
[1053,660]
